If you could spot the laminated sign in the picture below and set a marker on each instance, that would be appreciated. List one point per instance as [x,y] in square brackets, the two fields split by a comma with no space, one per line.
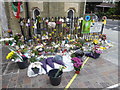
[86,26]
[96,27]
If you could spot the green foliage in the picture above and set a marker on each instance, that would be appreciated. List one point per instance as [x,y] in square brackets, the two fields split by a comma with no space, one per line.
[117,8]
[82,41]
[24,50]
[16,38]
[35,52]
[33,59]
[19,43]
[46,50]
[111,11]
[73,55]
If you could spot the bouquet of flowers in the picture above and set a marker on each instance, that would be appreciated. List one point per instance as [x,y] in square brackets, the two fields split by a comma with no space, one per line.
[103,37]
[77,63]
[14,56]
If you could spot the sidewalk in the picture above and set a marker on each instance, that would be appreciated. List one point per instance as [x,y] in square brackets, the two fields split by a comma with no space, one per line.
[112,53]
[112,20]
[98,73]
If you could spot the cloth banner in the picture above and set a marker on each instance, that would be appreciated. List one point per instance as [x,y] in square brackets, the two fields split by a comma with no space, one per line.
[86,26]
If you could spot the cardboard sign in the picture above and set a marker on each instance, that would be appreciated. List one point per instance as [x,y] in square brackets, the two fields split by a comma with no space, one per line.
[96,27]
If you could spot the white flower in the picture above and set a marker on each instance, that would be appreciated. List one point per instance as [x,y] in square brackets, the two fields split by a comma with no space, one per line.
[22,46]
[40,49]
[17,47]
[13,60]
[62,20]
[56,46]
[41,56]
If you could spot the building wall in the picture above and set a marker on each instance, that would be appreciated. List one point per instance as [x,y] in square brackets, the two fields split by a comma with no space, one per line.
[13,22]
[56,9]
[47,9]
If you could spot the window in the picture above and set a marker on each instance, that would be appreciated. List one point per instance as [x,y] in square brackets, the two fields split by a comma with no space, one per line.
[70,15]
[36,12]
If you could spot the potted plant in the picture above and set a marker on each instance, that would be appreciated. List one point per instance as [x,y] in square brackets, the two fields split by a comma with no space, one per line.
[35,70]
[55,76]
[77,63]
[34,59]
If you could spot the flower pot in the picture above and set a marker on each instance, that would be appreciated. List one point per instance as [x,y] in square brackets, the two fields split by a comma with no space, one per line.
[24,64]
[55,81]
[96,55]
[35,70]
[77,72]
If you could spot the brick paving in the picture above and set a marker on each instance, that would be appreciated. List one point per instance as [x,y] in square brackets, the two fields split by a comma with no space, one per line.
[98,73]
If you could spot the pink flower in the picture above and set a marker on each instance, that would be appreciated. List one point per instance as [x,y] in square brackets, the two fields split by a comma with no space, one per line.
[98,51]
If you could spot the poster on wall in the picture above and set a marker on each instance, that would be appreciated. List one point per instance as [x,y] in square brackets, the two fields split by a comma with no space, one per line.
[96,27]
[86,26]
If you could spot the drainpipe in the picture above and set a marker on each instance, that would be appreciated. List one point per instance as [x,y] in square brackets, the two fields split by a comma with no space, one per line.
[27,10]
[84,7]
[28,17]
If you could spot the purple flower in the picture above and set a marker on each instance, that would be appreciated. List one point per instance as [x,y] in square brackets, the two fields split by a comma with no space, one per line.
[76,65]
[98,51]
[77,62]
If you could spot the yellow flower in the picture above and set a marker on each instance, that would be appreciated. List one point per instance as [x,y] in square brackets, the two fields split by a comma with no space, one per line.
[77,27]
[60,33]
[12,52]
[50,34]
[35,37]
[33,26]
[53,32]
[44,35]
[95,41]
[86,39]
[72,40]
[90,38]
[7,57]
[38,39]
[54,29]
[103,48]
[64,25]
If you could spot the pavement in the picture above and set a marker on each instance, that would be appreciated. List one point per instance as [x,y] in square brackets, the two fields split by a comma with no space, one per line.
[99,73]
[112,35]
[113,24]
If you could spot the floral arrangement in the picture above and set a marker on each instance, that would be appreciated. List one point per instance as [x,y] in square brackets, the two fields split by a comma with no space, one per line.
[98,51]
[77,44]
[95,41]
[103,36]
[77,63]
[13,55]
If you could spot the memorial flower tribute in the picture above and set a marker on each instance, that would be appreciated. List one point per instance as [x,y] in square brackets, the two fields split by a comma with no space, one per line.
[77,63]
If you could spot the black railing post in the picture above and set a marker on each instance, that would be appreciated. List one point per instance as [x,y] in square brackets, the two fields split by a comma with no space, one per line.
[28,17]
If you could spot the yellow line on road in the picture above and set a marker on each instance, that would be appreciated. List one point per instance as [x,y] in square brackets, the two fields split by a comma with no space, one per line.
[73,78]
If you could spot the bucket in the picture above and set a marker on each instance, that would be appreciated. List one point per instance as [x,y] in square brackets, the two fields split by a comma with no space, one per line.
[96,55]
[24,64]
[55,81]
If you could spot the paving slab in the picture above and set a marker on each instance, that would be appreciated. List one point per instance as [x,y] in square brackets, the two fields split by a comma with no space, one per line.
[97,73]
